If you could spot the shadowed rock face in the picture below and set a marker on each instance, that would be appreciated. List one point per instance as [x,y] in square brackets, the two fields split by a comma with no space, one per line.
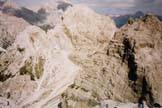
[46,18]
[63,5]
[28,15]
[127,69]
[21,12]
[146,33]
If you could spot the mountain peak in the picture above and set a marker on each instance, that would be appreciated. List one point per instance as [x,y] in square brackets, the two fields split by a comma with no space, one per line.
[139,13]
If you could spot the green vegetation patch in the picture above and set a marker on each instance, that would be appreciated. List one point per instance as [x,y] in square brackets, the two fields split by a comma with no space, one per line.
[92,103]
[46,27]
[39,68]
[27,69]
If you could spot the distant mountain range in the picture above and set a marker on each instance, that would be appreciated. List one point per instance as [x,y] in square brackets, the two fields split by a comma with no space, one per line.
[122,19]
[29,15]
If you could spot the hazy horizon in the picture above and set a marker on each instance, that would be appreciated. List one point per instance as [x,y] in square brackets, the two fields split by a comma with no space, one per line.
[119,7]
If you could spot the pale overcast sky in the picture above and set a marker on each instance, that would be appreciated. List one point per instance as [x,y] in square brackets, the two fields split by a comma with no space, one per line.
[109,6]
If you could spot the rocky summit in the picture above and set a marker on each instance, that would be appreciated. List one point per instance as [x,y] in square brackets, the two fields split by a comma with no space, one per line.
[82,61]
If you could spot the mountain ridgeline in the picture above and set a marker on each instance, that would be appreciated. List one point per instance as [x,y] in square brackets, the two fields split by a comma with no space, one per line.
[123,19]
[76,58]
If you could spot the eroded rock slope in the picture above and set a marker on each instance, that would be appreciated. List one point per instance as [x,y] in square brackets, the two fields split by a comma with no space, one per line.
[10,27]
[84,62]
[127,68]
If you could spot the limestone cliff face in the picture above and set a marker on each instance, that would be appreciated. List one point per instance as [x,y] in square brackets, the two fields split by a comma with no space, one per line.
[127,69]
[37,68]
[84,62]
[47,62]
[142,40]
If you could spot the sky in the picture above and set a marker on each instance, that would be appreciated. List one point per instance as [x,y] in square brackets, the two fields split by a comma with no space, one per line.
[118,7]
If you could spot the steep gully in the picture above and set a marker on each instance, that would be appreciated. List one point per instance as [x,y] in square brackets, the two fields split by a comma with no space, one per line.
[145,90]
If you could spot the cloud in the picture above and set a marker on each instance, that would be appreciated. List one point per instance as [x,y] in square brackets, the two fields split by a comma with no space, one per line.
[107,3]
[108,6]
[154,6]
[123,6]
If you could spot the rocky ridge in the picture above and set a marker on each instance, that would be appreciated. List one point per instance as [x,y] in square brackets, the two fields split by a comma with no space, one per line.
[127,68]
[83,62]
